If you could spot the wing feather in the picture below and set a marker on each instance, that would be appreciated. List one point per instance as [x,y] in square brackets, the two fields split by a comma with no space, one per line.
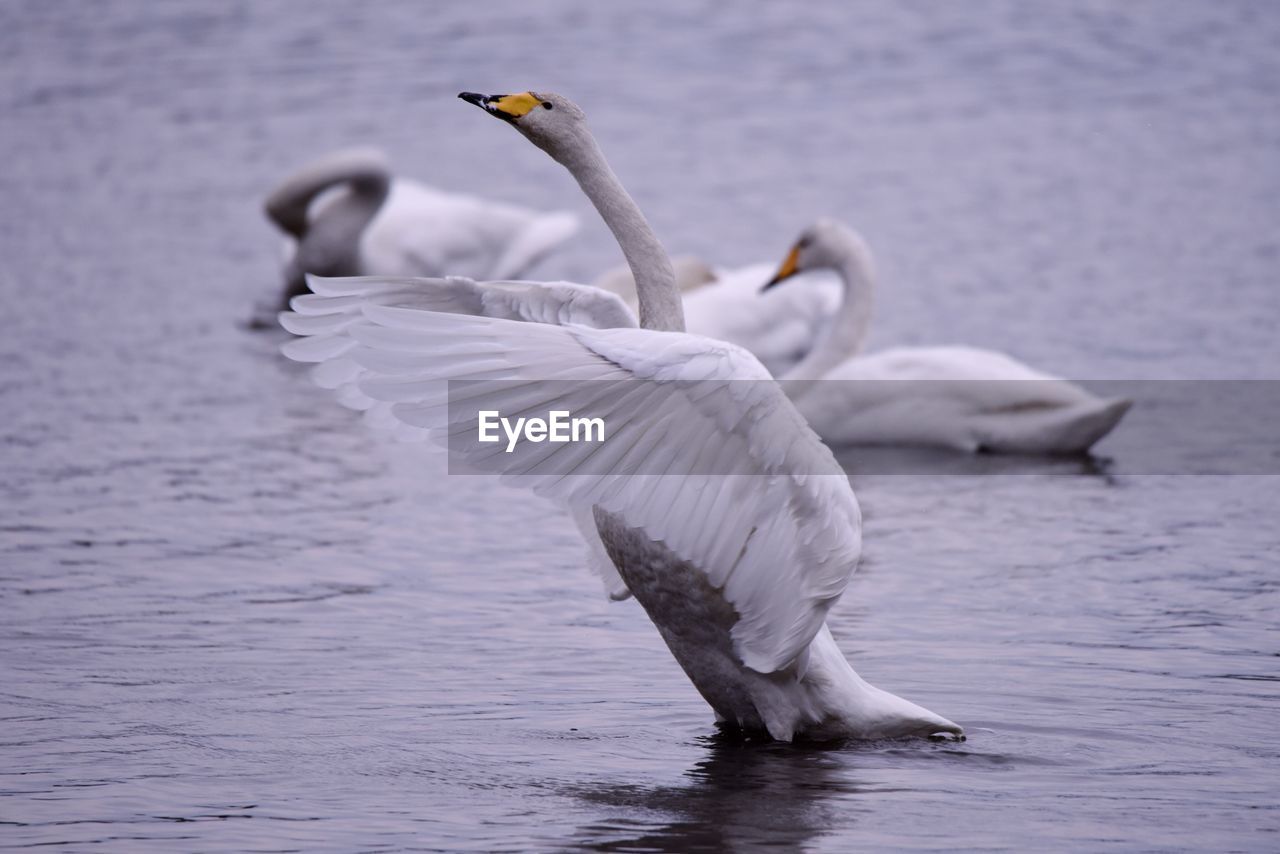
[538,302]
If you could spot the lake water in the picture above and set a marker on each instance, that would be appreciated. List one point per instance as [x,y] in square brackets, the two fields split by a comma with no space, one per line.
[233,618]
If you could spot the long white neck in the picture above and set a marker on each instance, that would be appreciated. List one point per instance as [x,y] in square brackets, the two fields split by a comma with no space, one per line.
[845,334]
[657,295]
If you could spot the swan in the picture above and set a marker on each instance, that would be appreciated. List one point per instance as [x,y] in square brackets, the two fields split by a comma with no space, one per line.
[778,327]
[709,500]
[956,397]
[345,215]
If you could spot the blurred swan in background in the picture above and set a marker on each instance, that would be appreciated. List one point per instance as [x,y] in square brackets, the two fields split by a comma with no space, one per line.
[957,397]
[347,216]
[778,327]
[738,555]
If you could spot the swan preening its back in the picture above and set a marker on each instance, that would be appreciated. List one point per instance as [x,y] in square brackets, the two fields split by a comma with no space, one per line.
[709,500]
[346,215]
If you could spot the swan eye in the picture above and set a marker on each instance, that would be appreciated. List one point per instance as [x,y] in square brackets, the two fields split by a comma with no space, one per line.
[803,243]
[546,105]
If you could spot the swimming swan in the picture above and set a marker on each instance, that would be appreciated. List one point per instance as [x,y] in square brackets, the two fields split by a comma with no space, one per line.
[346,216]
[957,397]
[737,554]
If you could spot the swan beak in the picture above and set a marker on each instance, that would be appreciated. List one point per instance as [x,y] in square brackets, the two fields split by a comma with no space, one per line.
[506,107]
[789,268]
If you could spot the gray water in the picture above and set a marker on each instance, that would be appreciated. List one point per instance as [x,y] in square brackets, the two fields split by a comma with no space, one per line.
[233,618]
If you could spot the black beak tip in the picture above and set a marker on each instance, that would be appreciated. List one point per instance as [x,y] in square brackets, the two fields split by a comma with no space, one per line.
[472,98]
[769,284]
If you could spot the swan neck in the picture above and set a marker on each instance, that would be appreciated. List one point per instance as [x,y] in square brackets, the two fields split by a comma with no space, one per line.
[366,174]
[843,337]
[657,295]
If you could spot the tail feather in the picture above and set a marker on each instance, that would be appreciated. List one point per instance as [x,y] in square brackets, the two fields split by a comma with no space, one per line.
[1052,430]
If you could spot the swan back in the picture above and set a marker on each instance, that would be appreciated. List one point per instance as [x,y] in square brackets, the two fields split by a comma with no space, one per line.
[424,231]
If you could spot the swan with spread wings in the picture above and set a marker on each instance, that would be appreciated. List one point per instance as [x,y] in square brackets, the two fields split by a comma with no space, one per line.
[710,500]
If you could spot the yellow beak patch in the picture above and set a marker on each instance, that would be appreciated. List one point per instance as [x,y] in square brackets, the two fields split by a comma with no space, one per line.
[514,106]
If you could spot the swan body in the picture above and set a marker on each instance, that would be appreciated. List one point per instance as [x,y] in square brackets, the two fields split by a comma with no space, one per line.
[708,499]
[345,215]
[422,231]
[957,397]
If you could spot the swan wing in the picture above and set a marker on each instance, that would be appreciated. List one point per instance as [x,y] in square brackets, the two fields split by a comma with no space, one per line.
[336,302]
[702,451]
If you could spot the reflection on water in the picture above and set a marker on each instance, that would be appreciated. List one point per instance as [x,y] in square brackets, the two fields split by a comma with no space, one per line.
[742,796]
[235,619]
[887,460]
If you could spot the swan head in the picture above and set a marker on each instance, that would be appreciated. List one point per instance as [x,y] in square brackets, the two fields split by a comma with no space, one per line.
[550,121]
[826,244]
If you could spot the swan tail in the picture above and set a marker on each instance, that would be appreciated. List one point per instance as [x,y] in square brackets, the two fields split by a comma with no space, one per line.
[1090,422]
[1065,430]
[922,723]
[598,557]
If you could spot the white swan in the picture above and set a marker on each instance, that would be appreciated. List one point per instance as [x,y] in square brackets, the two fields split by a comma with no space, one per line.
[778,327]
[346,216]
[958,397]
[709,499]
